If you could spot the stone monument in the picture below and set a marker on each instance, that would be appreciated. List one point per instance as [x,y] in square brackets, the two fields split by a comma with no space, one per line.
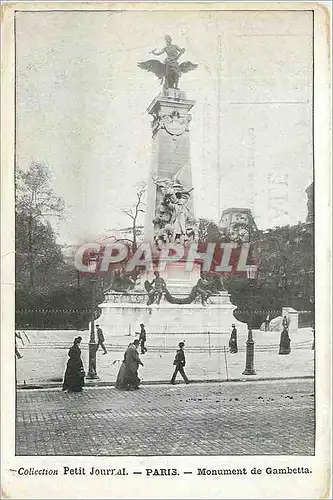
[172,299]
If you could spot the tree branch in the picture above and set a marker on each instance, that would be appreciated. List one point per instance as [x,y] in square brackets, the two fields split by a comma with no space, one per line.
[127,212]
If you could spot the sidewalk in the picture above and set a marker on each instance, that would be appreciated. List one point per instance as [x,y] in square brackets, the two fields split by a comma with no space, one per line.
[208,358]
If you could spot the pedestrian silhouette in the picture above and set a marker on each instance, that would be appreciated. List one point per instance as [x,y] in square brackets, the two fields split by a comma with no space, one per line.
[143,338]
[179,363]
[233,340]
[284,347]
[100,339]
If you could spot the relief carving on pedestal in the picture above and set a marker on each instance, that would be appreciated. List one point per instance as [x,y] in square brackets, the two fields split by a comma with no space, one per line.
[174,221]
[174,123]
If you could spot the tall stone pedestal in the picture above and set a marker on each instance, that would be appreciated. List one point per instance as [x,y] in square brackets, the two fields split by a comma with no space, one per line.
[171,176]
[169,219]
[171,158]
[123,313]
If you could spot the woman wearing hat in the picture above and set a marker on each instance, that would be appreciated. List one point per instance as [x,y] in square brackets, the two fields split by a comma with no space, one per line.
[128,373]
[74,375]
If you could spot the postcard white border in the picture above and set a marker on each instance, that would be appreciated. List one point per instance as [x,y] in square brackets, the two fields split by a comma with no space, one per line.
[315,485]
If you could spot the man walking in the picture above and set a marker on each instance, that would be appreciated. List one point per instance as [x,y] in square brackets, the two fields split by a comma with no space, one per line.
[179,363]
[233,340]
[100,339]
[142,339]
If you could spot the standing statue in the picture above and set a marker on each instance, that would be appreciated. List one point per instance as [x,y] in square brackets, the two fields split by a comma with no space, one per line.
[180,212]
[170,71]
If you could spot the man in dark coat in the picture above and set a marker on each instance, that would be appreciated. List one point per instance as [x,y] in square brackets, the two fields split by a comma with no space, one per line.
[233,340]
[142,339]
[100,339]
[179,363]
[132,362]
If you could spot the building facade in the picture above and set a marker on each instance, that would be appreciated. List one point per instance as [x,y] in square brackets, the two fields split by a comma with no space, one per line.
[237,224]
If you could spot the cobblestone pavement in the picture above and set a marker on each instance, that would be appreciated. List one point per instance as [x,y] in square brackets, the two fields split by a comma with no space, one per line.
[245,418]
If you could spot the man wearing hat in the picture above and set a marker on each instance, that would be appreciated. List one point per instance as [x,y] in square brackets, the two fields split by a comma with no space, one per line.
[100,339]
[179,363]
[143,338]
[233,340]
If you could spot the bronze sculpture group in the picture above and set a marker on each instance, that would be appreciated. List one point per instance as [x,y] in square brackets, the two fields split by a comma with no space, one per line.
[170,70]
[174,221]
[206,287]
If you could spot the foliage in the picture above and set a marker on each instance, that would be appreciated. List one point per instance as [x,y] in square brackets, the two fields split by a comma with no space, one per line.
[209,232]
[35,241]
[66,307]
[286,257]
[35,204]
[33,193]
[285,277]
[49,293]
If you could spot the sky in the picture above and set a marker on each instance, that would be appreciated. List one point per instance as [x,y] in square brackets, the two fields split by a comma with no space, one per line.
[81,107]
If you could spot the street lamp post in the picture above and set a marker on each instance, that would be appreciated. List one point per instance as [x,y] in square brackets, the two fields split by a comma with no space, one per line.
[249,364]
[92,371]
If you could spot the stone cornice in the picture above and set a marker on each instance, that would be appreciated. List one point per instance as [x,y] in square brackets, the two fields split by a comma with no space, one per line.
[162,101]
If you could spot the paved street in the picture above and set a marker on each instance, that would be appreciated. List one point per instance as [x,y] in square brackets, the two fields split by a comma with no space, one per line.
[239,418]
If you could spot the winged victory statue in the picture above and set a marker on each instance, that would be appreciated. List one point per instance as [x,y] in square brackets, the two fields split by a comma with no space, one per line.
[170,70]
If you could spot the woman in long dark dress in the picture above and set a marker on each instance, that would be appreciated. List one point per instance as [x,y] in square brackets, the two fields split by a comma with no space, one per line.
[233,341]
[284,342]
[74,375]
[127,378]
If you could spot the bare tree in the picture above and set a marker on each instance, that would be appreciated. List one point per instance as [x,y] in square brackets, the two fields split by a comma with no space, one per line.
[134,212]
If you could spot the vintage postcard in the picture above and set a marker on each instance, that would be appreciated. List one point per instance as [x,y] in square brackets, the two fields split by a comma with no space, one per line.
[166,208]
